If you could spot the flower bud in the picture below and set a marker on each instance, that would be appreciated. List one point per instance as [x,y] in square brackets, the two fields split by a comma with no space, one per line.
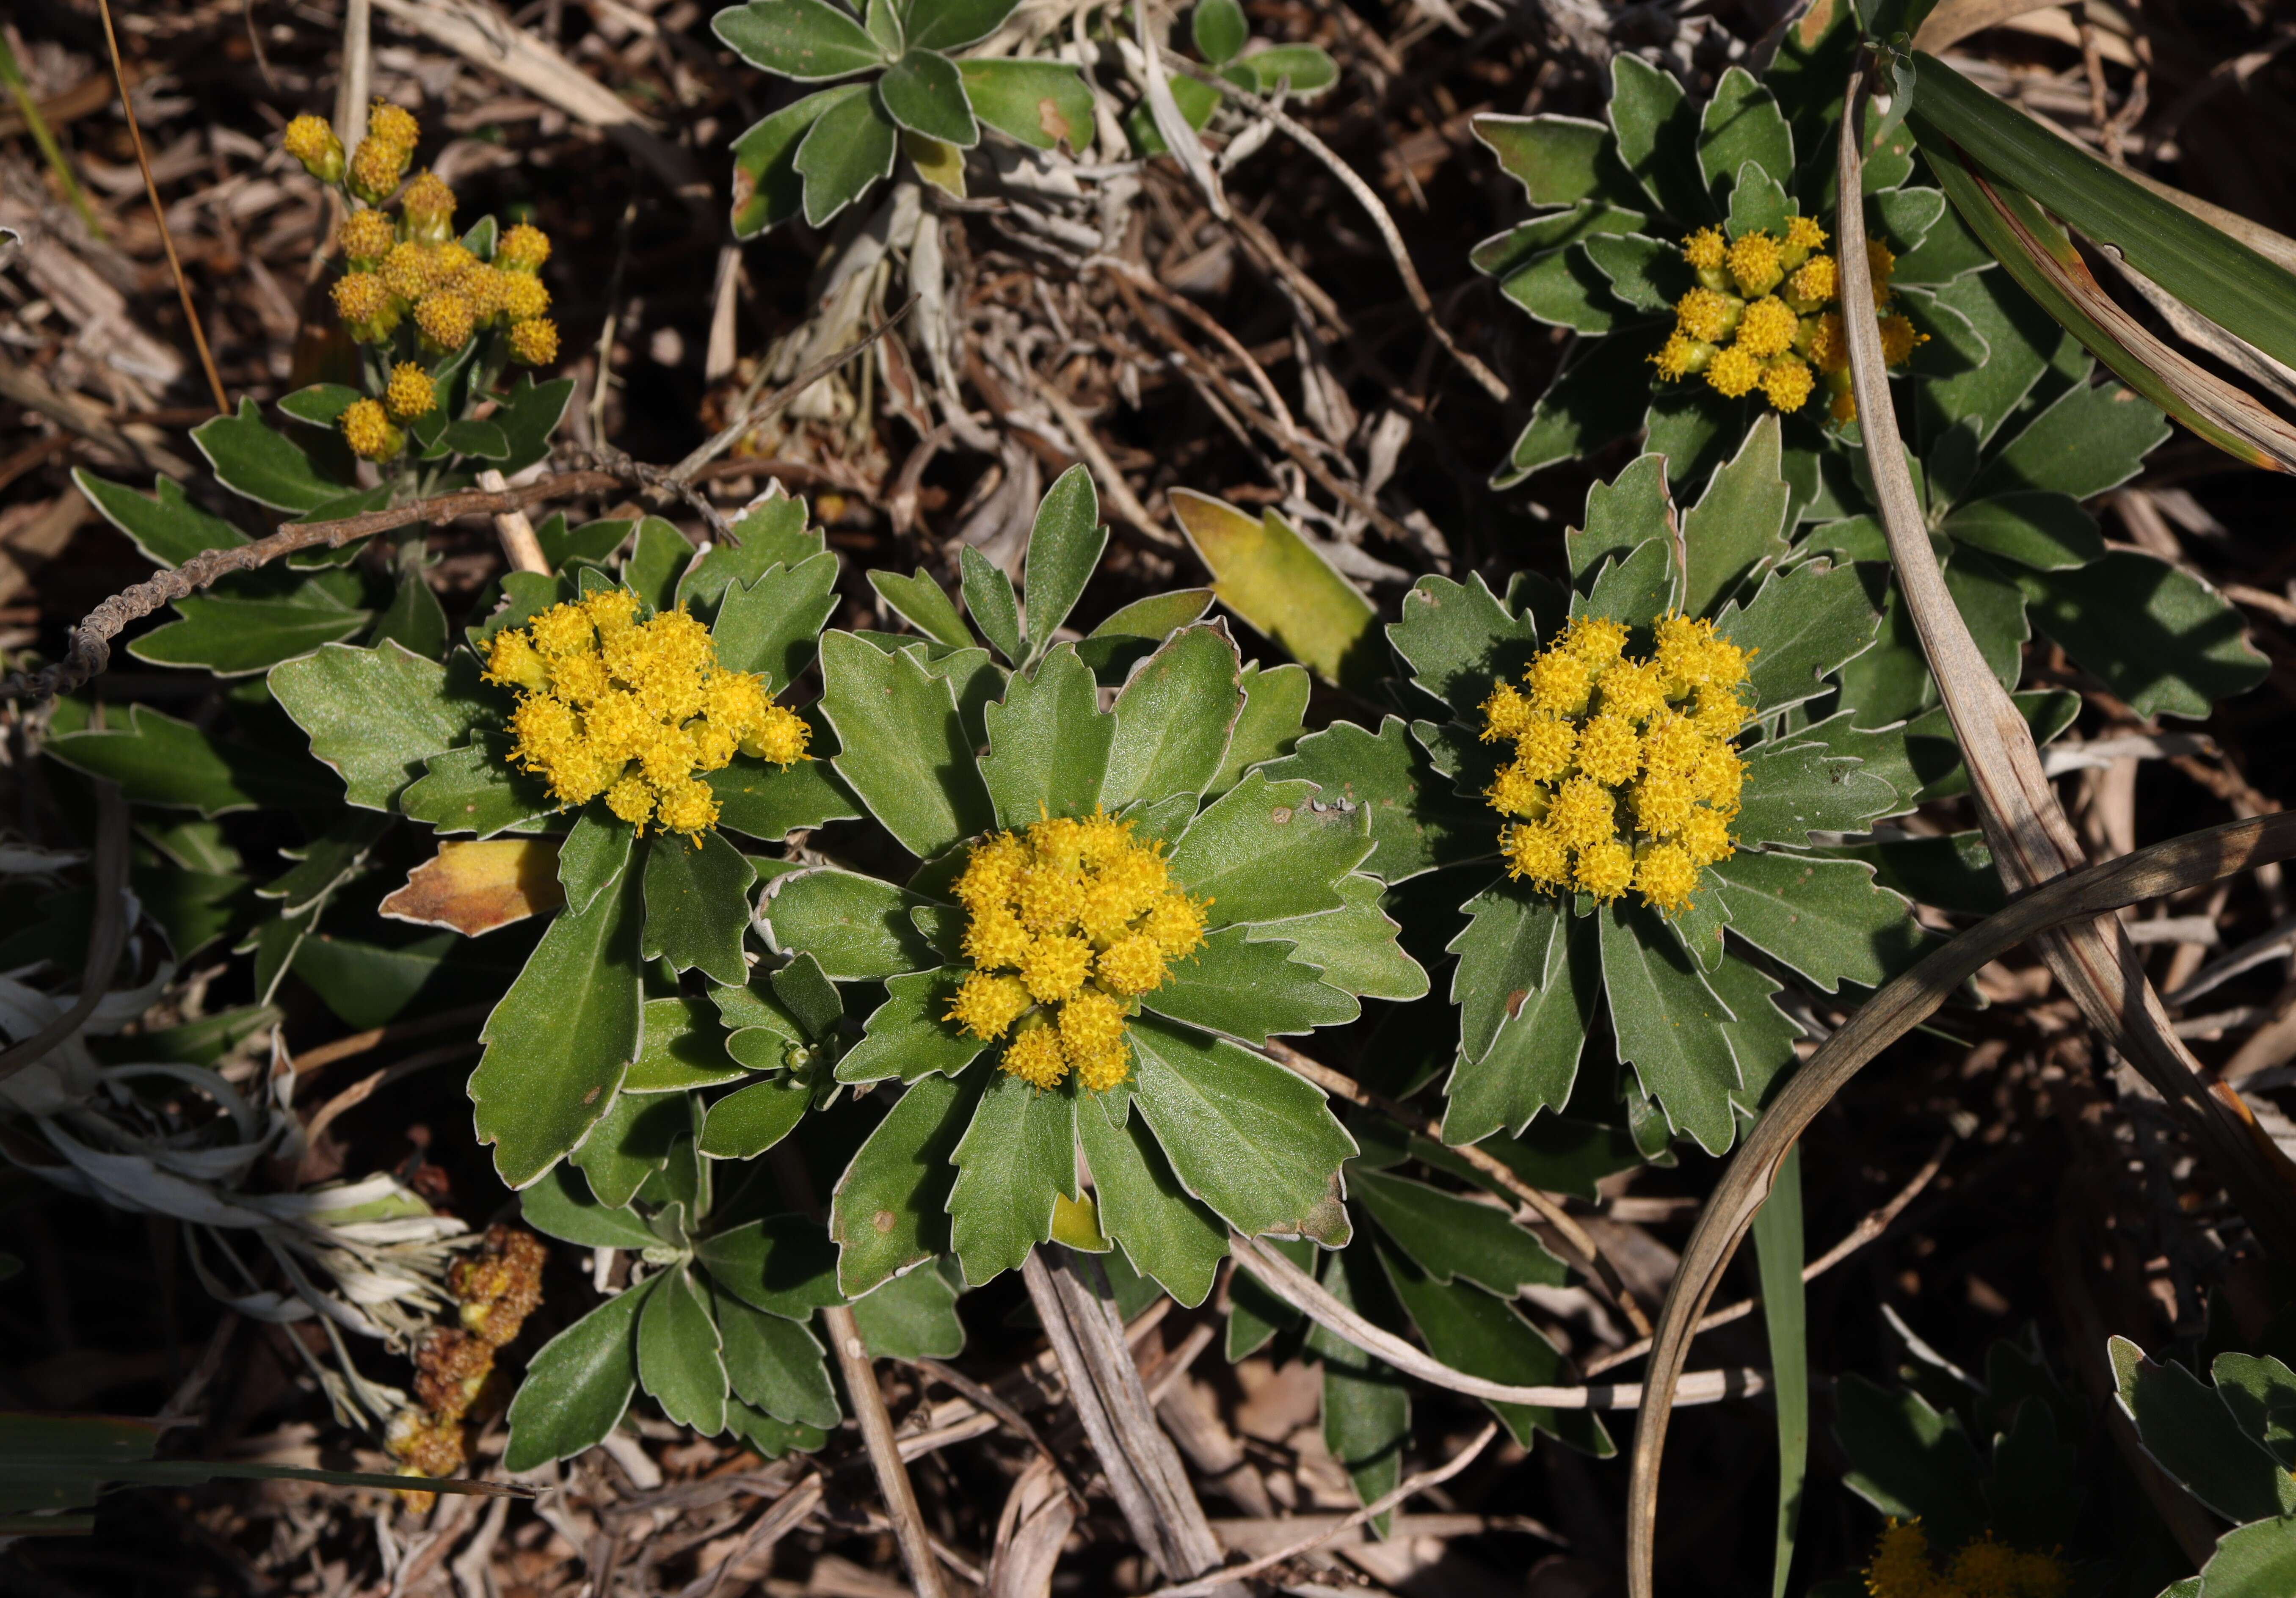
[312,142]
[377,167]
[393,125]
[429,207]
[523,248]
[445,318]
[367,236]
[411,392]
[534,343]
[369,431]
[523,297]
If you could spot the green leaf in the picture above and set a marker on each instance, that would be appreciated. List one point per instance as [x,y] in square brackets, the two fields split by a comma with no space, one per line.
[414,620]
[1910,1460]
[1559,160]
[848,148]
[742,1126]
[2252,1387]
[771,627]
[1366,1407]
[1250,990]
[989,601]
[1526,985]
[1779,1248]
[776,1364]
[684,1047]
[1644,584]
[577,1384]
[1586,406]
[256,463]
[169,530]
[1244,1136]
[924,93]
[529,417]
[1656,133]
[783,1264]
[1281,584]
[562,1206]
[2161,639]
[1218,30]
[857,927]
[953,24]
[1355,947]
[679,1357]
[2256,1560]
[659,557]
[1016,1157]
[1469,1331]
[375,714]
[1646,273]
[1173,719]
[909,1034]
[1048,742]
[809,40]
[1562,286]
[889,1209]
[1266,851]
[481,439]
[1693,429]
[593,857]
[1805,623]
[2092,439]
[2233,286]
[1757,203]
[2193,1437]
[475,789]
[1669,1025]
[2047,531]
[1418,821]
[2019,338]
[1450,1237]
[561,1039]
[697,904]
[1826,918]
[810,995]
[1268,728]
[773,531]
[1065,542]
[770,802]
[911,1317]
[1794,789]
[1255,1315]
[1164,1232]
[924,605]
[903,747]
[233,636]
[631,1144]
[1458,639]
[1039,103]
[767,190]
[1742,123]
[1737,530]
[158,760]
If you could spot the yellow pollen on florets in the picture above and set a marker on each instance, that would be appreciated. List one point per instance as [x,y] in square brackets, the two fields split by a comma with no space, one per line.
[523,248]
[411,392]
[428,200]
[1902,1566]
[1704,315]
[445,318]
[633,710]
[377,167]
[367,430]
[1705,249]
[1733,372]
[312,141]
[534,343]
[1767,327]
[392,125]
[1754,263]
[1898,340]
[1786,384]
[1816,280]
[366,236]
[1829,343]
[1682,357]
[1069,920]
[1804,234]
[410,270]
[360,297]
[523,297]
[1637,791]
[1882,263]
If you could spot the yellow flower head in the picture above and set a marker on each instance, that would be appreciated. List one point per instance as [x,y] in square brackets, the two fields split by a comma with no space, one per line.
[375,170]
[1829,343]
[312,141]
[1903,1566]
[366,236]
[393,126]
[1898,340]
[534,343]
[429,204]
[446,319]
[1843,406]
[523,248]
[1705,315]
[369,432]
[523,297]
[1084,919]
[1787,384]
[1882,263]
[1804,234]
[1655,733]
[1682,357]
[411,393]
[1754,263]
[409,270]
[1767,327]
[1815,281]
[1900,1566]
[1705,249]
[634,710]
[361,298]
[1733,372]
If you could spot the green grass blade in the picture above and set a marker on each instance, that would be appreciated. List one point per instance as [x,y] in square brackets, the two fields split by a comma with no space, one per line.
[45,138]
[2218,277]
[2036,252]
[1778,1253]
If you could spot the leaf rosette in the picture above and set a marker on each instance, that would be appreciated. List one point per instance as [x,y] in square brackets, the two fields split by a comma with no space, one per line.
[1112,909]
[1652,756]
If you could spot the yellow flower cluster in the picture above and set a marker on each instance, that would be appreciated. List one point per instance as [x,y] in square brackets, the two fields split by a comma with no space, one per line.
[1983,1569]
[1066,926]
[1767,311]
[1592,727]
[630,709]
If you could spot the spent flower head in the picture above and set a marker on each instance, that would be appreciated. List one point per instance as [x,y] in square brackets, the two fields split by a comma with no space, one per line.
[635,711]
[1067,924]
[1623,774]
[1903,1566]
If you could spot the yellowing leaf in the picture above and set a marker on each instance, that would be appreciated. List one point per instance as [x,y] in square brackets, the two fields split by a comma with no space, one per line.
[1277,580]
[475,887]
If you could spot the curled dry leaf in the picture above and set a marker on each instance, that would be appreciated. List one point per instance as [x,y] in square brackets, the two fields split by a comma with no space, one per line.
[475,887]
